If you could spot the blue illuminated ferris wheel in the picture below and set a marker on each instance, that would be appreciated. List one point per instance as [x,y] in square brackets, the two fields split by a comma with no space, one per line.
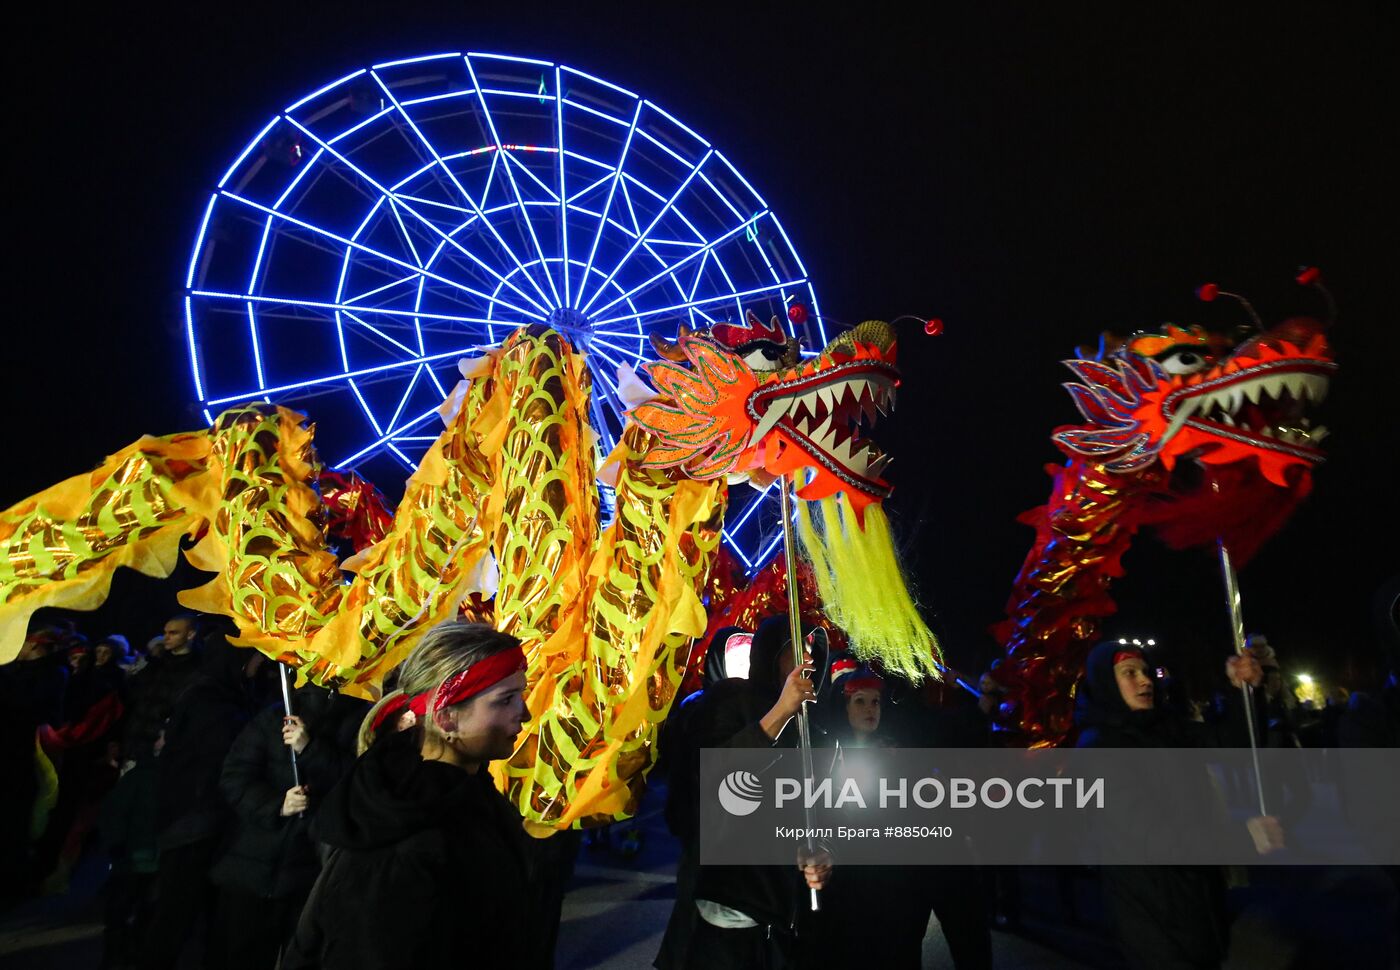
[409,214]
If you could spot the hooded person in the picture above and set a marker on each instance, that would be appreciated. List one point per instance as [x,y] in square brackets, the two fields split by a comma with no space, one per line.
[1164,915]
[271,861]
[891,903]
[426,865]
[191,816]
[748,916]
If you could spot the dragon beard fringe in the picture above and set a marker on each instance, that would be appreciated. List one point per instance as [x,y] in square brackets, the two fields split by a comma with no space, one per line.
[863,589]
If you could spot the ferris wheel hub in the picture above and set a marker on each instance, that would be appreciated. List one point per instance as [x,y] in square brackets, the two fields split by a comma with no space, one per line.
[571,323]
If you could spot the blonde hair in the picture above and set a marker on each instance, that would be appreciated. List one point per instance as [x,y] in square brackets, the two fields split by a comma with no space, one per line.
[445,651]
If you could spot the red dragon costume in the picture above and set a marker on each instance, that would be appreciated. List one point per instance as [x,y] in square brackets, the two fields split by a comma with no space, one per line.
[1181,432]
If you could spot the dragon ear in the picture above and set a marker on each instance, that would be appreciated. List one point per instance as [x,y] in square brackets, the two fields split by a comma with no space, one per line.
[668,349]
[1109,343]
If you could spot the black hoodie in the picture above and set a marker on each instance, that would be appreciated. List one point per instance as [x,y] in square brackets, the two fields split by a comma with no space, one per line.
[1164,915]
[426,868]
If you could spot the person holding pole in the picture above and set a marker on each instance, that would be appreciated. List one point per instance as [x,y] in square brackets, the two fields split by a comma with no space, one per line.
[275,777]
[754,916]
[1163,915]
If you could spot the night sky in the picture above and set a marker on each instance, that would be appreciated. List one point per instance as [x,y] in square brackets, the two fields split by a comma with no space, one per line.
[1029,176]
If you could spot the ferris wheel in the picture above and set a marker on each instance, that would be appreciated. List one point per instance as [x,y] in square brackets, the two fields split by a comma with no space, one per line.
[413,213]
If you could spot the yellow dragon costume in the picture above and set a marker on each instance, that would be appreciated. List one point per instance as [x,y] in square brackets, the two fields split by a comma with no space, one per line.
[503,504]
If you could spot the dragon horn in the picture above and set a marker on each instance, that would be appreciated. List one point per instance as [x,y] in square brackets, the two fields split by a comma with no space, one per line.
[667,349]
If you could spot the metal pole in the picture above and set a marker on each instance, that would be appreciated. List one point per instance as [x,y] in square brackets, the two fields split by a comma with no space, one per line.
[287,712]
[804,727]
[1232,601]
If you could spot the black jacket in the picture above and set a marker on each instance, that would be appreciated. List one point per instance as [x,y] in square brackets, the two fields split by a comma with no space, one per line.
[270,855]
[426,869]
[727,715]
[151,696]
[204,720]
[1164,915]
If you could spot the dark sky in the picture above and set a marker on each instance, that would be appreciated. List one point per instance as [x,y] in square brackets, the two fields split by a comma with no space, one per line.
[1029,175]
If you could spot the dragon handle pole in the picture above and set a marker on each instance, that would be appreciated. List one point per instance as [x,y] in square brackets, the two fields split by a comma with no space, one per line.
[1232,603]
[804,726]
[287,712]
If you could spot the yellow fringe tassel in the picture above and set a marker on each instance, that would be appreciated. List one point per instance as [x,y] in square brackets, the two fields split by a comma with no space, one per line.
[862,588]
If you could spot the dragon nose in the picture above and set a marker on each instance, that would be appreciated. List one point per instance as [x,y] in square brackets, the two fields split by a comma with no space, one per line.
[876,332]
[1298,331]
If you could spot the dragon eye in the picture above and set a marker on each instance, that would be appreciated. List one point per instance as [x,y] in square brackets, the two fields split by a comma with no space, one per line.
[1183,361]
[764,356]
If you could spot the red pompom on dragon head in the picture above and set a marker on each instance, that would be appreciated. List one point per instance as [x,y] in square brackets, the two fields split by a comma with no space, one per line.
[1184,431]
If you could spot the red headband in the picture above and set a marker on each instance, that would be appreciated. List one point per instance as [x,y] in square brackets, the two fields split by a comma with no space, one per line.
[480,676]
[1122,655]
[865,681]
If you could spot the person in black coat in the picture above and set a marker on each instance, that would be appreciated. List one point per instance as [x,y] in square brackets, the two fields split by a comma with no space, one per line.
[426,865]
[879,914]
[151,693]
[1165,916]
[742,916]
[191,817]
[271,862]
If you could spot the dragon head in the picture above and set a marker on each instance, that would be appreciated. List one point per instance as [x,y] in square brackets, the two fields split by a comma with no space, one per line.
[1179,394]
[739,400]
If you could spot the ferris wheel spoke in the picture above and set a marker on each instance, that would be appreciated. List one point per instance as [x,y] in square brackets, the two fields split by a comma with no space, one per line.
[615,348]
[612,193]
[382,335]
[452,176]
[384,439]
[563,191]
[358,297]
[695,169]
[396,200]
[403,231]
[370,250]
[510,176]
[345,375]
[448,239]
[667,270]
[333,305]
[403,400]
[696,303]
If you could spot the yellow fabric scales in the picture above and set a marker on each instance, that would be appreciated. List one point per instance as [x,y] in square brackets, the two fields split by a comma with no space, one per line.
[502,506]
[604,618]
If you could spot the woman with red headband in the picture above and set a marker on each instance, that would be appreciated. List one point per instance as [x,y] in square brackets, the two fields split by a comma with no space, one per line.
[426,860]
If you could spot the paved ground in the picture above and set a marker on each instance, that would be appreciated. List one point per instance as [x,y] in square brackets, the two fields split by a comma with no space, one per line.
[614,915]
[616,911]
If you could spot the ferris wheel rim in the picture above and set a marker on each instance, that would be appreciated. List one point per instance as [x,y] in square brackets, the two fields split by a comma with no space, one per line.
[516,281]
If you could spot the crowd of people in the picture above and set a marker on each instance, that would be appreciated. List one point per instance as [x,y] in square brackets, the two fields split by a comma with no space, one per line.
[336,834]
